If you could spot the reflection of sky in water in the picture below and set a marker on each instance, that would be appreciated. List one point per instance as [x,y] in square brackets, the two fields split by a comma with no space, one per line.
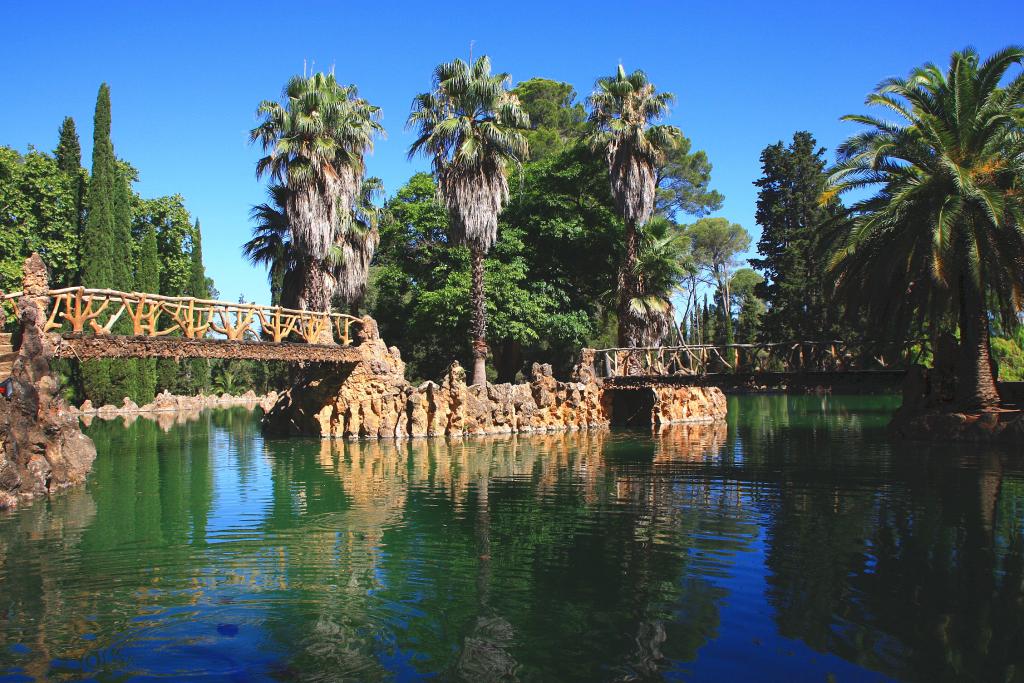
[747,638]
[242,486]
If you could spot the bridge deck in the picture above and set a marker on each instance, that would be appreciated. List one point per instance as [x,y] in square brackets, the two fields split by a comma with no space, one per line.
[85,347]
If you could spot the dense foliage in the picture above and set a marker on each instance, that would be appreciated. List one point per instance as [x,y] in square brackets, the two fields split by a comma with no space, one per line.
[551,282]
[793,224]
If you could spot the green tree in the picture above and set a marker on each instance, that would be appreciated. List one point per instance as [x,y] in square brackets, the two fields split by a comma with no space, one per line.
[106,257]
[147,279]
[69,158]
[69,151]
[943,232]
[422,281]
[315,143]
[716,245]
[793,222]
[557,120]
[37,213]
[198,287]
[744,285]
[471,127]
[623,108]
[169,218]
[661,265]
[99,234]
[682,183]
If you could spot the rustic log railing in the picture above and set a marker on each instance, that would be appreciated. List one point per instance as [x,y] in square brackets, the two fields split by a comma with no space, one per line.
[799,356]
[80,310]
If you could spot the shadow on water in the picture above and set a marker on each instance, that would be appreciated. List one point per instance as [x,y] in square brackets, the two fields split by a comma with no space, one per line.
[793,541]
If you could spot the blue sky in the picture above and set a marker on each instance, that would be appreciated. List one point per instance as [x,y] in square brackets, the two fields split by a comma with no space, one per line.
[186,77]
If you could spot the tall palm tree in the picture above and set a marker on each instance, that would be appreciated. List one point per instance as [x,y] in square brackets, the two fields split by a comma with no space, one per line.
[623,109]
[944,232]
[471,127]
[271,246]
[315,143]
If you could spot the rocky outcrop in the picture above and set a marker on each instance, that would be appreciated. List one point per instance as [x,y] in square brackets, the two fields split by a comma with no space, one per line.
[42,449]
[372,399]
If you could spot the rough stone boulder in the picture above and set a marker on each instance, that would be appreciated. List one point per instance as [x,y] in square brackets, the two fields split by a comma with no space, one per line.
[42,448]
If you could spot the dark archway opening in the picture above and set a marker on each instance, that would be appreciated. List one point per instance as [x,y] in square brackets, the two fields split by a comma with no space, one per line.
[632,407]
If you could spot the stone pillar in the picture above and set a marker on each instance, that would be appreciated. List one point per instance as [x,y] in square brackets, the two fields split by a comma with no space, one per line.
[42,448]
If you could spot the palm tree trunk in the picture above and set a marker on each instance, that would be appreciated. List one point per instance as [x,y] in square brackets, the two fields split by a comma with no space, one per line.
[630,327]
[479,323]
[975,384]
[316,290]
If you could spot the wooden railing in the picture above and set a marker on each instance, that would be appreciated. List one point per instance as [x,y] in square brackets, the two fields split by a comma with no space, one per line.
[79,310]
[801,356]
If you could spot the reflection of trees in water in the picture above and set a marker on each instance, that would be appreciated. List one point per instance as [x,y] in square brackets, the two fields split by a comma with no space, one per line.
[909,563]
[480,554]
[110,549]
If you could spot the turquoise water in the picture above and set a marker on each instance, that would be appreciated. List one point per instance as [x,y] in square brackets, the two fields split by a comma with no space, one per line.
[795,543]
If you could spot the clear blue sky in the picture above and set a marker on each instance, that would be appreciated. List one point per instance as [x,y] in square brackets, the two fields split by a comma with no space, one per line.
[186,77]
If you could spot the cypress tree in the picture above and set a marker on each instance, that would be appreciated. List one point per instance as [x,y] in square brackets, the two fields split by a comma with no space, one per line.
[69,151]
[106,252]
[197,278]
[69,160]
[98,236]
[199,368]
[147,279]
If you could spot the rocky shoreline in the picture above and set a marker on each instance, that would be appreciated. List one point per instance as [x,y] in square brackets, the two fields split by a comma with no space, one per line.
[167,402]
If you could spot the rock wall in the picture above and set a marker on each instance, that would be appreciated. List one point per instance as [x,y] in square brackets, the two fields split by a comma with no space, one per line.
[372,399]
[42,448]
[675,405]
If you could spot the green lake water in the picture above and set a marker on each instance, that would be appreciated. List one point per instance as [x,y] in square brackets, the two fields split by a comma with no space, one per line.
[792,543]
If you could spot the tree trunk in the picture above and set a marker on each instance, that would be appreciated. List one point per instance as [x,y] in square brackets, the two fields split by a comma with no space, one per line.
[317,289]
[508,359]
[975,384]
[630,325]
[479,322]
[316,293]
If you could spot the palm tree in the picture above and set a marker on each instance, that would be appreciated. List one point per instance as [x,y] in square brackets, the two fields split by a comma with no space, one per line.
[271,246]
[623,108]
[355,248]
[315,143]
[944,233]
[471,127]
[661,266]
